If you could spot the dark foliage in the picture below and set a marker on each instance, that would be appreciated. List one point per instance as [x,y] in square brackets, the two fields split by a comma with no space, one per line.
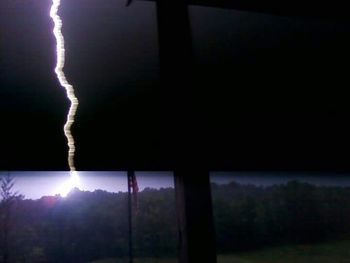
[249,217]
[87,226]
[8,200]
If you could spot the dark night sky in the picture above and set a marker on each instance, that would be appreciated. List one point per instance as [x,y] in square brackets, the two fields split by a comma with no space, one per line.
[271,92]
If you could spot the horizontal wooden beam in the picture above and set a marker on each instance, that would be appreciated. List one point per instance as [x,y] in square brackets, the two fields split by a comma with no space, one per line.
[309,8]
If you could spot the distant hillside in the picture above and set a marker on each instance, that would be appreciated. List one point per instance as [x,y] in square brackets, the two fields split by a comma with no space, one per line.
[88,226]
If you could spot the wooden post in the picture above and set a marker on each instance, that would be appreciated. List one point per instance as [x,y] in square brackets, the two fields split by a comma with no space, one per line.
[131,256]
[175,44]
[193,198]
[195,217]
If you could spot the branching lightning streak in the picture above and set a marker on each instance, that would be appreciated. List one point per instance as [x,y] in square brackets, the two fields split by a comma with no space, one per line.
[60,53]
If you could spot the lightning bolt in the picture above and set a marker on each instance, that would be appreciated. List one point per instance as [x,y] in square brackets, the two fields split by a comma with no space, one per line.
[60,54]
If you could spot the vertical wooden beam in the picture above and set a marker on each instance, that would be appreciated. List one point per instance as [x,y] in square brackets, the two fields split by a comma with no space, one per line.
[192,187]
[130,174]
[175,44]
[195,217]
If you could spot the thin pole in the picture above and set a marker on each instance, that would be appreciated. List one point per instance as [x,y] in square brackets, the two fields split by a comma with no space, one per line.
[130,175]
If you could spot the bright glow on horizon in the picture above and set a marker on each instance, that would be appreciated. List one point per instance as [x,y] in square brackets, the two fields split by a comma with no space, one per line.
[36,184]
[60,54]
[69,184]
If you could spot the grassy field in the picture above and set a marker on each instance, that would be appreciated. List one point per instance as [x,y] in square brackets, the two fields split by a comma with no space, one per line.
[335,252]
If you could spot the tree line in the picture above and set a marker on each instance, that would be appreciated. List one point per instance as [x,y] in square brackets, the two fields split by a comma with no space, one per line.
[250,217]
[86,226]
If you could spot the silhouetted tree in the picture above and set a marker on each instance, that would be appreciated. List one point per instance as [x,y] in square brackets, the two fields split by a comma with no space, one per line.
[8,197]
